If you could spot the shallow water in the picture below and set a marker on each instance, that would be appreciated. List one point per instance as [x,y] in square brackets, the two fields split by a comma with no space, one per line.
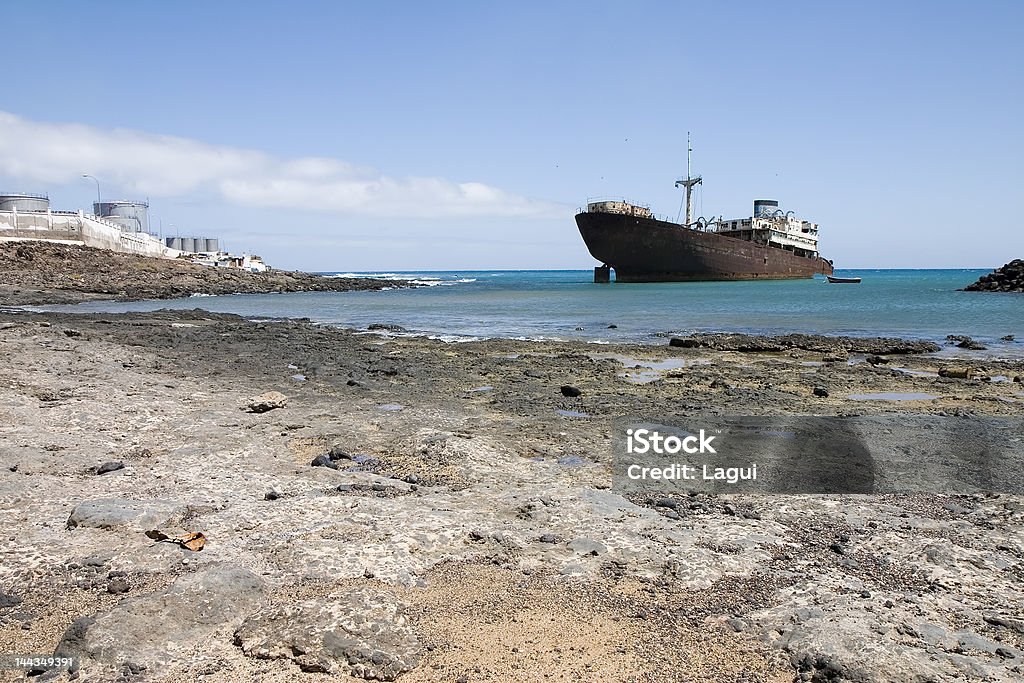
[568,305]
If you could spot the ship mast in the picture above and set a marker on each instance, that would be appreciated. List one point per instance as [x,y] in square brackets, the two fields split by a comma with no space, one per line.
[689,182]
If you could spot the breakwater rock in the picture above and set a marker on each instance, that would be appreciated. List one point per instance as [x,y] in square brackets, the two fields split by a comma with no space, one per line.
[1009,278]
[47,273]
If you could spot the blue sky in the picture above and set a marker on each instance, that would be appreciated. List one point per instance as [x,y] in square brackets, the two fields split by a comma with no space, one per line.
[358,136]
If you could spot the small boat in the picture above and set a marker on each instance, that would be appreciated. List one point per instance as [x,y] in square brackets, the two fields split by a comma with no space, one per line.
[843,280]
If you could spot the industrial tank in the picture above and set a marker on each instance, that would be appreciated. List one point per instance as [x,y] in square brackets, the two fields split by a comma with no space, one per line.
[765,208]
[193,245]
[20,201]
[130,216]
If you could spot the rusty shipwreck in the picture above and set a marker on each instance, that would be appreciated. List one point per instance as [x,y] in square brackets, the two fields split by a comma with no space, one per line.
[640,247]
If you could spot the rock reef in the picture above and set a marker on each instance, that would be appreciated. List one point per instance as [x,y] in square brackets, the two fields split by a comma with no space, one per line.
[48,273]
[753,343]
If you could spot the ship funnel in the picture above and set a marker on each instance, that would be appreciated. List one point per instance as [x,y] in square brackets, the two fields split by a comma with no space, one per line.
[765,208]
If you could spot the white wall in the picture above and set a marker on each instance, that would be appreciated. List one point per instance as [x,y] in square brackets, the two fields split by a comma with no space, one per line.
[66,227]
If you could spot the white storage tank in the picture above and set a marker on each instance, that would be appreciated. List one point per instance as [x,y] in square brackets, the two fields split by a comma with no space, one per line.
[24,202]
[130,216]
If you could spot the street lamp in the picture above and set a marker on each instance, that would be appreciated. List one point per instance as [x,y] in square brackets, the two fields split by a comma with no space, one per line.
[98,200]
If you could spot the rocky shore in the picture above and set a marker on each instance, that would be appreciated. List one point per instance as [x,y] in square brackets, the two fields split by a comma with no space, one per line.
[48,273]
[399,508]
[1009,278]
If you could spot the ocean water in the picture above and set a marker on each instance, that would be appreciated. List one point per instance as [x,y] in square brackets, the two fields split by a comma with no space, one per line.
[923,304]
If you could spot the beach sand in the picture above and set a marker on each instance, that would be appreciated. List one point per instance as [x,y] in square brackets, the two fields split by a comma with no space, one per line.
[471,531]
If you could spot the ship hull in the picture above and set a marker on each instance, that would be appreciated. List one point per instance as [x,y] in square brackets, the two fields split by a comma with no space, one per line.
[648,250]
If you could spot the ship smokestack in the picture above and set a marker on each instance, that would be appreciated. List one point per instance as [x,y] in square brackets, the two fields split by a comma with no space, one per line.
[764,208]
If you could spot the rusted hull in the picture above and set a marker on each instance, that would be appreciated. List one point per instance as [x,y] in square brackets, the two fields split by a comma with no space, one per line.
[649,250]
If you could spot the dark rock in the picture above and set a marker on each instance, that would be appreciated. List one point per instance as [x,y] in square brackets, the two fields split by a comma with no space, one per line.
[1007,338]
[118,585]
[684,343]
[876,360]
[821,392]
[1008,278]
[8,600]
[324,461]
[385,327]
[108,513]
[613,327]
[337,453]
[73,642]
[111,466]
[837,548]
[965,342]
[570,391]
[549,538]
[806,342]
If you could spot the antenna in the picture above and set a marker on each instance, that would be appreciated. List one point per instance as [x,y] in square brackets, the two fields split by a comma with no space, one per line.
[689,149]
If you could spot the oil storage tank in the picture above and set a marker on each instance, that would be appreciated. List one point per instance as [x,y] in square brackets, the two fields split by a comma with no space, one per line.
[130,216]
[24,202]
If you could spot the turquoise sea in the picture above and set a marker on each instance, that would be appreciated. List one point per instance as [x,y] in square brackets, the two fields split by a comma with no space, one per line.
[567,304]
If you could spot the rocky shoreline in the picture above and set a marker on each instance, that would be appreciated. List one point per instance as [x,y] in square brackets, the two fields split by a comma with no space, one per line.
[35,273]
[399,508]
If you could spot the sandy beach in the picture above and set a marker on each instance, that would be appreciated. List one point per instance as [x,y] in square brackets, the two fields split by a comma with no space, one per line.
[460,523]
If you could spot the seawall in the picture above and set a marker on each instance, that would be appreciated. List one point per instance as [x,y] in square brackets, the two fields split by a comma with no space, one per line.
[78,228]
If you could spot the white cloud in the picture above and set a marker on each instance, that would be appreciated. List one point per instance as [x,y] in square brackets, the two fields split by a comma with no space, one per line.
[167,166]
